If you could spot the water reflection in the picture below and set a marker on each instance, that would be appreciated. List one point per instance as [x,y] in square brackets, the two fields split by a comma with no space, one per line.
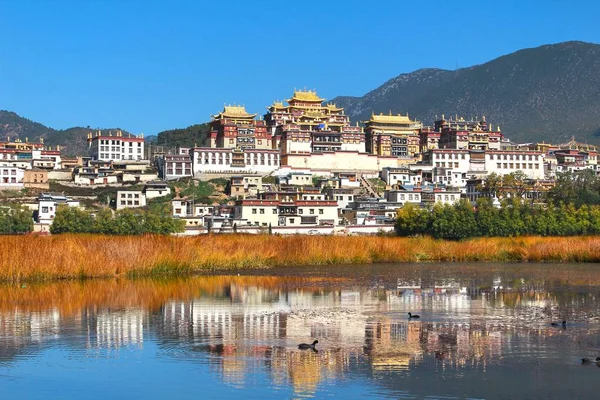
[246,329]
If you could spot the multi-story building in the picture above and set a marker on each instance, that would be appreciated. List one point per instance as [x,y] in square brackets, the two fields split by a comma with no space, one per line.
[233,161]
[174,166]
[243,186]
[306,126]
[392,135]
[402,176]
[11,178]
[130,199]
[106,147]
[531,163]
[47,205]
[287,211]
[36,178]
[458,133]
[235,128]
[19,145]
[154,189]
[296,178]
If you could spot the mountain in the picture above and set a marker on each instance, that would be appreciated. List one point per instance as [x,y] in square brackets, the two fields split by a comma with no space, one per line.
[194,135]
[73,141]
[549,93]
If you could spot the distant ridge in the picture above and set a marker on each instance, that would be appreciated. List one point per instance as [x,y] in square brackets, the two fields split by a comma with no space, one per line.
[550,93]
[73,141]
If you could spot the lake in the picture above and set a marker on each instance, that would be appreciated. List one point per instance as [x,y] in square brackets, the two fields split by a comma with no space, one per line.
[485,332]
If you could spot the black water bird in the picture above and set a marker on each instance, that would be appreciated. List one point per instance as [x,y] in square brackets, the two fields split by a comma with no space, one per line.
[411,316]
[586,360]
[306,346]
[564,323]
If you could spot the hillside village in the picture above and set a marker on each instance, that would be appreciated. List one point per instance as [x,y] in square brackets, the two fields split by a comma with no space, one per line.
[302,168]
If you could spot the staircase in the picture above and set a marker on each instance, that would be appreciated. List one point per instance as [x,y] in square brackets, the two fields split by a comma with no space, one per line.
[364,182]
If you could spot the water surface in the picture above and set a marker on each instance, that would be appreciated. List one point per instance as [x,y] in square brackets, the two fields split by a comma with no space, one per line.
[484,332]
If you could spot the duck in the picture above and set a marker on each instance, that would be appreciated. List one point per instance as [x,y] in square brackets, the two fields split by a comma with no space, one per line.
[412,316]
[564,323]
[586,360]
[306,346]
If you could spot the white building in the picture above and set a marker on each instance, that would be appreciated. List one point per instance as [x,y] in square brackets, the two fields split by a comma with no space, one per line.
[155,189]
[130,199]
[287,213]
[11,178]
[232,161]
[404,195]
[296,178]
[47,204]
[118,147]
[177,166]
[400,176]
[531,163]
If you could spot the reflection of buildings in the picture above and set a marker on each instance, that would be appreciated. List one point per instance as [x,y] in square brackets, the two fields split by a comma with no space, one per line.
[242,329]
[119,328]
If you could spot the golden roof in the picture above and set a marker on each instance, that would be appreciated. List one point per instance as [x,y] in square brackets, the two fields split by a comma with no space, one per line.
[277,105]
[306,95]
[331,106]
[390,119]
[234,112]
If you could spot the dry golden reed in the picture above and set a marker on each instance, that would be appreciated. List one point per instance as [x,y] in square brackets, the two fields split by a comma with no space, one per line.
[87,256]
[70,297]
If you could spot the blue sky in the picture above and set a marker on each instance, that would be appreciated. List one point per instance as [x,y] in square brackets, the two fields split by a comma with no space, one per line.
[147,66]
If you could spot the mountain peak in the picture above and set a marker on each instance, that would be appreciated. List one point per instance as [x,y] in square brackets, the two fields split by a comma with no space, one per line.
[550,92]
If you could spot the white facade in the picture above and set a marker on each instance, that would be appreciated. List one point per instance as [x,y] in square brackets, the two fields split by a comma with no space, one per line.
[297,178]
[295,213]
[447,197]
[400,176]
[156,190]
[47,205]
[531,163]
[11,178]
[458,160]
[342,197]
[89,179]
[175,166]
[221,160]
[403,196]
[258,212]
[130,199]
[108,148]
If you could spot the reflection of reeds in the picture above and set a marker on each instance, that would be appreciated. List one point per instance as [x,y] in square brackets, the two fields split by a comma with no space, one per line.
[69,298]
[73,256]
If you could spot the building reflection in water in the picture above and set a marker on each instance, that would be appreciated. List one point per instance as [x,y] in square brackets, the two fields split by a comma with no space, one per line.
[243,328]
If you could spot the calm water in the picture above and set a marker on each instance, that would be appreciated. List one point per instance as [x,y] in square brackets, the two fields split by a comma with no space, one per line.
[484,332]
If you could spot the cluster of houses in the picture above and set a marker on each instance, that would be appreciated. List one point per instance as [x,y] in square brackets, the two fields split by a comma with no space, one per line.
[321,169]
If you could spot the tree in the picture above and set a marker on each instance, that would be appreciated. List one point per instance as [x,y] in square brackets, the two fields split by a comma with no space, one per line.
[491,186]
[412,220]
[15,220]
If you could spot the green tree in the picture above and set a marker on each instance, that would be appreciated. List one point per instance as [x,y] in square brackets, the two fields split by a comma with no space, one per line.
[412,220]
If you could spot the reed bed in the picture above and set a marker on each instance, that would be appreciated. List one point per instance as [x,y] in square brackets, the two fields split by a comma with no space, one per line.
[90,256]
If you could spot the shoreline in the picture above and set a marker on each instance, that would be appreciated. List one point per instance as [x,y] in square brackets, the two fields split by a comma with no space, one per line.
[72,256]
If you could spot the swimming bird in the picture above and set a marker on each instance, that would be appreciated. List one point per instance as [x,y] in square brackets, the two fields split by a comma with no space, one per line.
[306,346]
[586,360]
[564,323]
[411,316]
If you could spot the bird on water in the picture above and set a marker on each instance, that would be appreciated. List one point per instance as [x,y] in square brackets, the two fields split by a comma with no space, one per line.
[564,323]
[413,316]
[586,360]
[306,346]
